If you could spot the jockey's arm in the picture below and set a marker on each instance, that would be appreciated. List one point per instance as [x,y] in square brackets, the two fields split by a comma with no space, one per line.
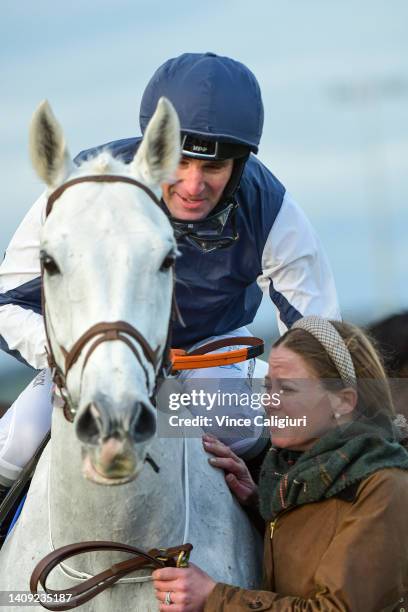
[296,271]
[21,325]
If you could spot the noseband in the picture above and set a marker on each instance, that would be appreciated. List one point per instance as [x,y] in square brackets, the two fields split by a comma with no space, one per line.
[102,332]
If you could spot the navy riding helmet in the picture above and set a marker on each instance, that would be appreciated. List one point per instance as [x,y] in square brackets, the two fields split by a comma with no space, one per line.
[219,104]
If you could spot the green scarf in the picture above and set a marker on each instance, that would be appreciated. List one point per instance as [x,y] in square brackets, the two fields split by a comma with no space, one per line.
[342,457]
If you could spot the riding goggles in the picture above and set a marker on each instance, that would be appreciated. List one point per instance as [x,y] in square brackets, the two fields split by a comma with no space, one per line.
[218,231]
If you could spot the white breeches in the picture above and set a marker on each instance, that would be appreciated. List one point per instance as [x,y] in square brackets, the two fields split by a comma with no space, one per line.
[28,420]
[24,426]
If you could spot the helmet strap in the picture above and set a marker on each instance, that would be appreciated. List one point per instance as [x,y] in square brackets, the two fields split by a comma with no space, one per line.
[235,179]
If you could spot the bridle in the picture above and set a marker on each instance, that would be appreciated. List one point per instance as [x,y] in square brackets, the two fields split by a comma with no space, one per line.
[163,361]
[104,331]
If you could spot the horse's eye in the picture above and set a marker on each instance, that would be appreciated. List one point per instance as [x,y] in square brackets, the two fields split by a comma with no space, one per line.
[168,262]
[49,264]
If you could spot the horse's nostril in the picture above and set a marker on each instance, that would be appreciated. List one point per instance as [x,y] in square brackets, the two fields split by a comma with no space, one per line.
[143,425]
[89,425]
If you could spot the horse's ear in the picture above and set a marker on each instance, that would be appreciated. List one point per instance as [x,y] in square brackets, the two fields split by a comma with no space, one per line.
[48,151]
[159,153]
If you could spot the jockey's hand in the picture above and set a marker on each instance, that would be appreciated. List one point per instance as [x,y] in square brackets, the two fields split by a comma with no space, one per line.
[188,588]
[237,474]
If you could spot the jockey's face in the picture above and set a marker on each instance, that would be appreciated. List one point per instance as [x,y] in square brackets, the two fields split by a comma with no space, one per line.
[197,189]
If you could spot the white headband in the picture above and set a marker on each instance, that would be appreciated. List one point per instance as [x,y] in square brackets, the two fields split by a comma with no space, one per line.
[333,343]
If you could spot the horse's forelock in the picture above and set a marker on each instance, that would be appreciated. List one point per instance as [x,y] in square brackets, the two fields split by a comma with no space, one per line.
[103,163]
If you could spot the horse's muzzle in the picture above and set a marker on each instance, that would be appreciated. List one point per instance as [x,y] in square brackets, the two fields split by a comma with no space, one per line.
[114,444]
[108,467]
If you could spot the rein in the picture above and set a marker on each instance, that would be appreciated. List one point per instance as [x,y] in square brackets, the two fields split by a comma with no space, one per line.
[67,599]
[198,358]
[86,590]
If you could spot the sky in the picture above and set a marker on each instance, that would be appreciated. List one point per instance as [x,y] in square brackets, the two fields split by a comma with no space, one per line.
[334,79]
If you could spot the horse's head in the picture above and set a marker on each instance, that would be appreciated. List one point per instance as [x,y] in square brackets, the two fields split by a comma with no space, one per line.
[107,253]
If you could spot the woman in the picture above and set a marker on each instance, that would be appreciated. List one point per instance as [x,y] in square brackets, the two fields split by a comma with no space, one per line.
[334,494]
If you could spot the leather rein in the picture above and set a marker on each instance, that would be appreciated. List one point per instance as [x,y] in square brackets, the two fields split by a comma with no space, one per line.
[66,599]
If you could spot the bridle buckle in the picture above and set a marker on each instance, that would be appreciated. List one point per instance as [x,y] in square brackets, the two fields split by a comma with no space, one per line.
[182,559]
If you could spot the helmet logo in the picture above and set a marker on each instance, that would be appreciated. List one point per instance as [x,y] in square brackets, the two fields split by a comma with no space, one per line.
[200,149]
[191,146]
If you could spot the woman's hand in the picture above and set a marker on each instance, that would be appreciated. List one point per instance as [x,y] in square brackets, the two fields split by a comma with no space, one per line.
[187,588]
[237,474]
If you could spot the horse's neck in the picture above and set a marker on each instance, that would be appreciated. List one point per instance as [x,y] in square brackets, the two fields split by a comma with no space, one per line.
[147,512]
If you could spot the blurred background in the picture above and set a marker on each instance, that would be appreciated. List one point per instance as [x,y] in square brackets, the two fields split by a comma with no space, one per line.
[334,77]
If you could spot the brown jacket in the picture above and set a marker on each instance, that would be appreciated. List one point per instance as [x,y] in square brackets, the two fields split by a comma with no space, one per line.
[345,553]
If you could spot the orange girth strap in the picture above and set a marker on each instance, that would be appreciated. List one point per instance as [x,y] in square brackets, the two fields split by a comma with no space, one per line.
[202,357]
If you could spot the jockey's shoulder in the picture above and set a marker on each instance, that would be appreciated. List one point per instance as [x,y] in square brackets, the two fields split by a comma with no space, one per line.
[123,149]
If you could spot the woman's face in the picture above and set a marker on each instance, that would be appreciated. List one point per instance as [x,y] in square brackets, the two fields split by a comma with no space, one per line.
[301,397]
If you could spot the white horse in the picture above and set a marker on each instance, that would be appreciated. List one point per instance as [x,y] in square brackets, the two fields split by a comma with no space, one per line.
[107,252]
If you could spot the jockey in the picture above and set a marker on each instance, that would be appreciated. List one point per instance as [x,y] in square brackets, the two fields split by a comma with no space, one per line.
[238,230]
